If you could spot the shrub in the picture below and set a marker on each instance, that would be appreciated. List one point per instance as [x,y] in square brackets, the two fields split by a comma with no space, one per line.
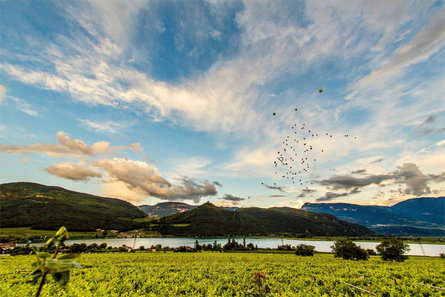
[442,255]
[371,252]
[305,250]
[393,249]
[348,250]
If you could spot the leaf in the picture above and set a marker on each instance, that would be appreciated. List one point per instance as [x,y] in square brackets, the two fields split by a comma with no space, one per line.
[56,265]
[50,242]
[62,234]
[61,277]
[67,256]
[43,255]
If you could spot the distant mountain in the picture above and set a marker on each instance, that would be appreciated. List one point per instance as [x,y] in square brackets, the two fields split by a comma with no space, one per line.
[210,220]
[165,208]
[419,216]
[49,208]
[168,208]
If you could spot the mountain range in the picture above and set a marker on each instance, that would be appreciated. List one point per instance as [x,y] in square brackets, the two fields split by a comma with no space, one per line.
[49,207]
[418,216]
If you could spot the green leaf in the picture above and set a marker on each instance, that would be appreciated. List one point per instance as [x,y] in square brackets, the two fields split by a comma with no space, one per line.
[61,277]
[50,242]
[43,255]
[67,256]
[61,231]
[56,265]
[62,234]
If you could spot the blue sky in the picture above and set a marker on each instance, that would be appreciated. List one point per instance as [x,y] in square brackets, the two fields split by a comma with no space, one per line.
[154,101]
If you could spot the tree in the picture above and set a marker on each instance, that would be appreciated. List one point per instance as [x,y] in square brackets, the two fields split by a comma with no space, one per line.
[348,250]
[393,249]
[304,250]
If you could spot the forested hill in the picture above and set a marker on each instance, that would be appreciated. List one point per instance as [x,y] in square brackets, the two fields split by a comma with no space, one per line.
[46,207]
[209,220]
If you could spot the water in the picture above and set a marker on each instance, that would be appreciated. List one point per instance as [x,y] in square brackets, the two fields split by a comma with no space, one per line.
[432,250]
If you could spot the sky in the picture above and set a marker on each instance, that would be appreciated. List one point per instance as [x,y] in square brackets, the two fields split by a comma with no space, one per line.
[240,103]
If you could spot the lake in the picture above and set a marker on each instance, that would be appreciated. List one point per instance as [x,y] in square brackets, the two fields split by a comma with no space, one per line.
[432,250]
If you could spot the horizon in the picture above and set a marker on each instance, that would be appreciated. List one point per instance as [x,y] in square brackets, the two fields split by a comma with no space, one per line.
[240,103]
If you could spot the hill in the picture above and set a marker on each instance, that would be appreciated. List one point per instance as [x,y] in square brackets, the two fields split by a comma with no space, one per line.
[210,220]
[48,208]
[418,216]
[165,208]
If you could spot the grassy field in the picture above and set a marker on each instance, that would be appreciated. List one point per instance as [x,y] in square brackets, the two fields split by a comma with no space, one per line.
[229,274]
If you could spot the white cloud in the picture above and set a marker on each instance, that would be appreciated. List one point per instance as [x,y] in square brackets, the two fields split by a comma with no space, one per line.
[104,127]
[440,143]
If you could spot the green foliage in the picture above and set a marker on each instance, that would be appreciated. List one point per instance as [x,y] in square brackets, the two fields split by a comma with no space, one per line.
[304,250]
[57,265]
[348,250]
[147,274]
[393,250]
[47,208]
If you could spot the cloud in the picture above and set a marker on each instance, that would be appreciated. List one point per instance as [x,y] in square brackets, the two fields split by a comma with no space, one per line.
[217,183]
[277,196]
[194,166]
[329,196]
[147,178]
[440,143]
[104,127]
[428,41]
[427,128]
[377,161]
[21,105]
[2,93]
[75,172]
[68,147]
[360,171]
[408,174]
[232,198]
[279,188]
[305,192]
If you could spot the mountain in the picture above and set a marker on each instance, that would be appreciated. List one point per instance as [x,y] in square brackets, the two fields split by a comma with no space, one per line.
[49,208]
[210,220]
[418,216]
[165,208]
[425,209]
[168,208]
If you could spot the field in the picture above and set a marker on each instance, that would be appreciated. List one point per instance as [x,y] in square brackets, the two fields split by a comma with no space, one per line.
[228,274]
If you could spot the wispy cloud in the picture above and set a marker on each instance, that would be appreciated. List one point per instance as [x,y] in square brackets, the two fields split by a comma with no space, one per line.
[229,197]
[68,147]
[104,127]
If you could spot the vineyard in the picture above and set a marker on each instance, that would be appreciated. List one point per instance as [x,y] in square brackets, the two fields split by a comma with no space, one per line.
[230,274]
